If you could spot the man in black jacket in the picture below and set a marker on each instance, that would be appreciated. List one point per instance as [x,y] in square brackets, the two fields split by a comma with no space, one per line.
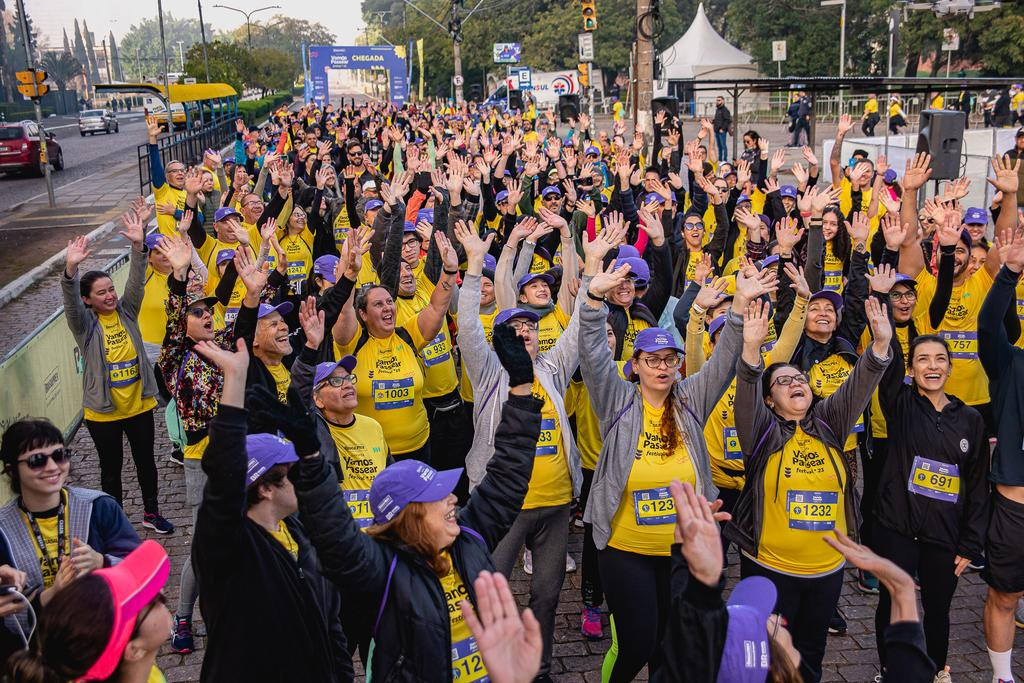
[259,578]
[722,123]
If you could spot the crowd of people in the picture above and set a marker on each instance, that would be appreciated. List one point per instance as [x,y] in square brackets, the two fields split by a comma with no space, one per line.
[401,351]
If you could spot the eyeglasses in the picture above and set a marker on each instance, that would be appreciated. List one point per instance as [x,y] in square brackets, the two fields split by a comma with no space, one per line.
[786,380]
[903,296]
[655,362]
[37,461]
[695,226]
[339,381]
[521,325]
[408,244]
[199,311]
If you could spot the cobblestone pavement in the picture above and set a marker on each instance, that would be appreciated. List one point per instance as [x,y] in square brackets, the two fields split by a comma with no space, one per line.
[848,658]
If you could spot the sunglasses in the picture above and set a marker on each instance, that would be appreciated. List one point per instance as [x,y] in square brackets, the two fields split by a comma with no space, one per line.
[339,381]
[199,311]
[695,226]
[37,461]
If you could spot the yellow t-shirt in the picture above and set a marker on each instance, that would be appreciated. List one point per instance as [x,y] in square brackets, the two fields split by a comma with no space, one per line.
[803,501]
[156,676]
[938,103]
[633,327]
[195,451]
[826,377]
[48,530]
[959,328]
[646,518]
[341,227]
[871,106]
[122,372]
[550,328]
[390,386]
[283,380]
[168,225]
[588,427]
[550,483]
[723,443]
[465,388]
[691,267]
[1020,311]
[879,428]
[441,377]
[363,454]
[153,313]
[299,254]
[467,663]
[832,270]
[284,537]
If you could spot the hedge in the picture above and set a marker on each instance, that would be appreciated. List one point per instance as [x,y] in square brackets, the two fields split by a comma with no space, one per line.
[253,110]
[17,111]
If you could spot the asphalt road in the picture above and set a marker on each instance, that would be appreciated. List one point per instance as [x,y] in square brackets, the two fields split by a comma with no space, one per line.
[82,156]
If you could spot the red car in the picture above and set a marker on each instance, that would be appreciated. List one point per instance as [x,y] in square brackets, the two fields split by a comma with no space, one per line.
[19,148]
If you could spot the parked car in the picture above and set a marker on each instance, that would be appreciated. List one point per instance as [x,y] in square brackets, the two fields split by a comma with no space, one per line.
[19,148]
[94,121]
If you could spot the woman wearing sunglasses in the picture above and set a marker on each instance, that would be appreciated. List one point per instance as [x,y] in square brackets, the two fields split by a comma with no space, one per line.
[51,531]
[799,487]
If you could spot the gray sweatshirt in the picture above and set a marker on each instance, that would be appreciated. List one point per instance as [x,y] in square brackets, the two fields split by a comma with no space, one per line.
[619,407]
[553,369]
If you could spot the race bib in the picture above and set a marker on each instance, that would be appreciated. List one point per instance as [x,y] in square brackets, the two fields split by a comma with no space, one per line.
[467,664]
[389,394]
[547,443]
[652,507]
[833,280]
[230,314]
[935,480]
[962,345]
[859,427]
[124,373]
[437,351]
[812,510]
[731,444]
[296,270]
[1020,309]
[358,501]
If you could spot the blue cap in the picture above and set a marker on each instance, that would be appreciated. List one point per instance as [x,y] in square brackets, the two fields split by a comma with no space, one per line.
[501,196]
[409,481]
[325,370]
[265,451]
[530,277]
[905,280]
[225,255]
[627,251]
[835,297]
[225,212]
[592,150]
[425,215]
[653,197]
[153,239]
[746,654]
[975,216]
[409,227]
[742,198]
[788,191]
[655,339]
[638,269]
[490,263]
[510,313]
[771,260]
[550,190]
[283,308]
[716,325]
[889,177]
[373,204]
[325,266]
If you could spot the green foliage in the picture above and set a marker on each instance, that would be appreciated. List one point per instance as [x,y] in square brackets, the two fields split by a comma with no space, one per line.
[19,111]
[229,63]
[253,110]
[61,67]
[271,70]
[285,34]
[140,47]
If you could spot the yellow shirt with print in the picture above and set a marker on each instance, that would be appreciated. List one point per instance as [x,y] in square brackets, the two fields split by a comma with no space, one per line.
[389,386]
[467,663]
[832,270]
[1020,312]
[959,328]
[588,426]
[826,377]
[48,530]
[153,313]
[550,328]
[165,194]
[634,326]
[282,379]
[646,517]
[362,454]
[298,252]
[550,483]
[804,498]
[465,387]
[871,107]
[441,377]
[123,375]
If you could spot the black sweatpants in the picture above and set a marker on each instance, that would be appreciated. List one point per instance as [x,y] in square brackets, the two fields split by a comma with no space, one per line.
[872,462]
[590,582]
[107,437]
[728,498]
[934,570]
[807,604]
[639,596]
[451,435]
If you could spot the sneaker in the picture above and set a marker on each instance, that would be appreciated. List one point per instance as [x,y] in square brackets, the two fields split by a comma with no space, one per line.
[837,624]
[181,635]
[590,623]
[570,564]
[177,457]
[528,561]
[155,522]
[978,564]
[867,582]
[943,676]
[1018,616]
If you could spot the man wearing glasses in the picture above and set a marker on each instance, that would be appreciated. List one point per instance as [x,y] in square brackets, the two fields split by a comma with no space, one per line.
[168,183]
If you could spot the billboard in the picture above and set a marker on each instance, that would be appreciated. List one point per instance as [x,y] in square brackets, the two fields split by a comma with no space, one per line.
[324,57]
[507,53]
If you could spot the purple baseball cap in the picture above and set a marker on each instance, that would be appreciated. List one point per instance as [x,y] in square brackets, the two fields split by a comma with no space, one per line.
[835,297]
[592,150]
[224,213]
[490,263]
[653,197]
[153,239]
[325,370]
[788,191]
[655,339]
[410,227]
[716,325]
[627,251]
[325,266]
[902,279]
[771,260]
[283,308]
[890,177]
[742,198]
[510,313]
[550,190]
[501,196]
[530,277]
[425,215]
[746,652]
[373,204]
[638,269]
[975,216]
[409,481]
[225,255]
[265,451]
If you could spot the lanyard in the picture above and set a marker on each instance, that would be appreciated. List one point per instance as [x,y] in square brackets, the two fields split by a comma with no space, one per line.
[41,542]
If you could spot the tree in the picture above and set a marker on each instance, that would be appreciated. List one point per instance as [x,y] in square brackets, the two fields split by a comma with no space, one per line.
[285,34]
[90,53]
[229,63]
[62,68]
[271,70]
[141,45]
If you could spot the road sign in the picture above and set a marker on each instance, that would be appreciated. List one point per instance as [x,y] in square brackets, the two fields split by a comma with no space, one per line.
[585,42]
[30,83]
[190,81]
[507,53]
[458,80]
[950,40]
[778,50]
[525,76]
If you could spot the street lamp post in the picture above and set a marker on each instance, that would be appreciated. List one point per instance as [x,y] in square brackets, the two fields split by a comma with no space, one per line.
[202,32]
[842,42]
[181,54]
[248,26]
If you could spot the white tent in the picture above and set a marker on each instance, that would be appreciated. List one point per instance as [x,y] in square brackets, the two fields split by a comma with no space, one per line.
[701,53]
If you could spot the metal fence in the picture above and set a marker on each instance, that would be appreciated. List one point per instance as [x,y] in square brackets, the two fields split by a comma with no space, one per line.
[185,146]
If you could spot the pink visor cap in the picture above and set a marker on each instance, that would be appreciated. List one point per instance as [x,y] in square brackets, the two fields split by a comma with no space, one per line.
[133,582]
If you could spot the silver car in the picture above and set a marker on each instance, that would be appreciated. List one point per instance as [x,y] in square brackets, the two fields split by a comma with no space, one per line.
[94,121]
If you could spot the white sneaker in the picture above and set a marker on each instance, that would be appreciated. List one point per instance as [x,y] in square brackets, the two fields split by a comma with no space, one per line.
[943,676]
[528,561]
[570,564]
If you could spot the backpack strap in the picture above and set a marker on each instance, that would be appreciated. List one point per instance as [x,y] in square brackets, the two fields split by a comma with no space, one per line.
[387,589]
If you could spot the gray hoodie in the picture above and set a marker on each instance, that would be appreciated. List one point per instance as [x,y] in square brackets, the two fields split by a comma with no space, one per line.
[619,406]
[553,369]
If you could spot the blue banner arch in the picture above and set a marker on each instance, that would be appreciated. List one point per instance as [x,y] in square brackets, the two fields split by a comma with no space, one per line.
[323,57]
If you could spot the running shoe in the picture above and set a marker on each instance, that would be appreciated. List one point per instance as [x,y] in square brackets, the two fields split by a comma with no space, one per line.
[1018,615]
[528,561]
[837,624]
[177,457]
[943,676]
[181,635]
[867,582]
[155,522]
[590,623]
[570,564]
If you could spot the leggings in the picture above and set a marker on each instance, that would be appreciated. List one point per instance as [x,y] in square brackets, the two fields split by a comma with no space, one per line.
[451,435]
[107,438]
[807,604]
[590,583]
[871,461]
[728,498]
[195,482]
[639,595]
[934,568]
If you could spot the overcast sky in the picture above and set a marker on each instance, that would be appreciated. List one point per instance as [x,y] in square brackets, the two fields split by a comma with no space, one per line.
[51,16]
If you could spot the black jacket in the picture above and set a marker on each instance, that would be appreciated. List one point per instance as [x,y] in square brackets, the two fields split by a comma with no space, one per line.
[723,119]
[252,591]
[413,639]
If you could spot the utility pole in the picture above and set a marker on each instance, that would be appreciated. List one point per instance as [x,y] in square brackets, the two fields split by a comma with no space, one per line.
[644,77]
[30,58]
[163,54]
[455,31]
[202,32]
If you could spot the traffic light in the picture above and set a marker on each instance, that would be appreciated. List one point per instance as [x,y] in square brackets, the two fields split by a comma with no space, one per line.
[589,8]
[30,83]
[584,74]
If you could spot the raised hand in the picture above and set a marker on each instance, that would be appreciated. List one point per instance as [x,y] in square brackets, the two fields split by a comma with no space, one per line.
[193,181]
[743,173]
[893,230]
[948,231]
[756,321]
[809,156]
[510,645]
[750,288]
[449,257]
[798,281]
[702,271]
[1006,180]
[554,220]
[698,533]
[859,228]
[134,229]
[652,226]
[610,237]
[152,129]
[255,279]
[312,322]
[235,363]
[1010,247]
[894,579]
[515,192]
[917,171]
[185,222]
[800,173]
[606,281]
[710,292]
[788,236]
[177,251]
[845,125]
[777,160]
[883,279]
[476,248]
[881,328]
